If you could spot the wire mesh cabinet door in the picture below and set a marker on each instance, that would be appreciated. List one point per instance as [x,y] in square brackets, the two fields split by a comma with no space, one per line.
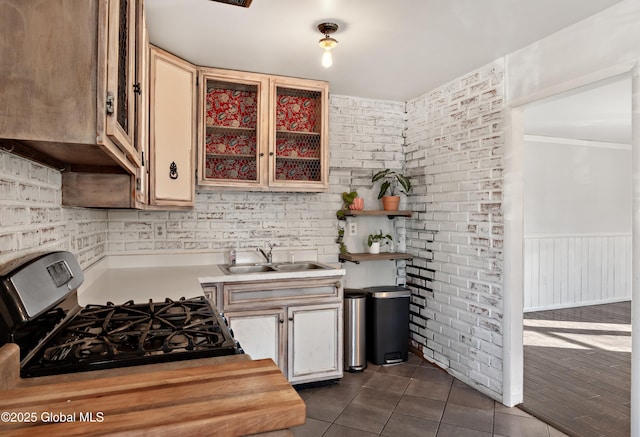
[298,152]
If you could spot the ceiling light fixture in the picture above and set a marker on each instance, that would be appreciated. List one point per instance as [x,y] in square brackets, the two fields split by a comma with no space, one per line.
[327,43]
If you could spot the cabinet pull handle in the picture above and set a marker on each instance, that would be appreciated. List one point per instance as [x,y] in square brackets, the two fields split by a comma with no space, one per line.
[173,171]
[109,104]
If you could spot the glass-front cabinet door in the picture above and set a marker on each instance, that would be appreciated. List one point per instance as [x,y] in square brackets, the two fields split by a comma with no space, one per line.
[261,132]
[232,153]
[121,77]
[299,134]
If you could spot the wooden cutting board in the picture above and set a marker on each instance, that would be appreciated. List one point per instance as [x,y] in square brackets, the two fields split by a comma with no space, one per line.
[230,399]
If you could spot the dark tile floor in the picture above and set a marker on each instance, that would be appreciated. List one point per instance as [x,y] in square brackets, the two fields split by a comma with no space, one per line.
[411,399]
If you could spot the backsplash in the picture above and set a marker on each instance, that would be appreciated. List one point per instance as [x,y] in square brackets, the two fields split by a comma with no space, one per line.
[33,220]
[229,220]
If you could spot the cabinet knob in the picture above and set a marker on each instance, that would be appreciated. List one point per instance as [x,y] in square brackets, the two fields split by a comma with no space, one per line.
[261,154]
[291,319]
[281,320]
[270,153]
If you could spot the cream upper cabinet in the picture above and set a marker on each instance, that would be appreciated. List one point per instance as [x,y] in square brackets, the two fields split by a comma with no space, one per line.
[233,127]
[260,132]
[172,130]
[298,134]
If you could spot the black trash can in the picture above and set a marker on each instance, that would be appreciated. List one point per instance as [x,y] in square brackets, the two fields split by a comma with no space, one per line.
[387,324]
[355,351]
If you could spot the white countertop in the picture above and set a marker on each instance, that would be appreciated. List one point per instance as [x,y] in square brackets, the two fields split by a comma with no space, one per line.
[143,277]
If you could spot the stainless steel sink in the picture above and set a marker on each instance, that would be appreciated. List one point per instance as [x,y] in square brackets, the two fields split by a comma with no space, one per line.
[238,269]
[246,268]
[296,267]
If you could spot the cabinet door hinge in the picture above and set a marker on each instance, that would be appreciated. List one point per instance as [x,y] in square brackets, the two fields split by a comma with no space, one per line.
[137,89]
[109,103]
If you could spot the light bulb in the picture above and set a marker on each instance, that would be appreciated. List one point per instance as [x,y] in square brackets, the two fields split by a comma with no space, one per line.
[327,59]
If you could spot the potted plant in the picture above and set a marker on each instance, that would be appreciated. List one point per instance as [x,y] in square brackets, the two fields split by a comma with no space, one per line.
[392,181]
[350,200]
[374,241]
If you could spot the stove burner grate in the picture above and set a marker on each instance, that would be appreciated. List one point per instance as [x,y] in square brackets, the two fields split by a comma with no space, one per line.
[101,336]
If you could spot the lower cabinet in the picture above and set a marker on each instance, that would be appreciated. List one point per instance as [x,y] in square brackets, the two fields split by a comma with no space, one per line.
[298,324]
[314,342]
[260,333]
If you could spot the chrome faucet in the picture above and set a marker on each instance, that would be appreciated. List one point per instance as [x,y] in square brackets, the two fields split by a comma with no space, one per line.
[267,256]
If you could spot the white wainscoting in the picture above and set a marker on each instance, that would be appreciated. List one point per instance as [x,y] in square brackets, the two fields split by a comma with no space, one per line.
[575,270]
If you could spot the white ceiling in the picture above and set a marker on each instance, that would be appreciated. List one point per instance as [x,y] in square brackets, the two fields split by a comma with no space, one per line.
[387,49]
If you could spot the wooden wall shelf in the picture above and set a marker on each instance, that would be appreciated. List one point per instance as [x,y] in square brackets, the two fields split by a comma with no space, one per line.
[357,257]
[377,212]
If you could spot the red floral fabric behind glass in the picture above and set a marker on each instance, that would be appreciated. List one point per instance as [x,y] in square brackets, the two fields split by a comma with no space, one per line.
[296,114]
[231,108]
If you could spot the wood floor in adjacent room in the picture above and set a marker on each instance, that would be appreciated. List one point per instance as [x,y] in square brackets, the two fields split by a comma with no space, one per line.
[577,369]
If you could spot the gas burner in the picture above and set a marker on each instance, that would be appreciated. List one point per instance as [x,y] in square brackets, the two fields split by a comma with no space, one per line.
[102,336]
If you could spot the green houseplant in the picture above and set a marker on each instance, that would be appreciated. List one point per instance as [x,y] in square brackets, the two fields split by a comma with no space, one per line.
[374,241]
[340,240]
[347,201]
[392,182]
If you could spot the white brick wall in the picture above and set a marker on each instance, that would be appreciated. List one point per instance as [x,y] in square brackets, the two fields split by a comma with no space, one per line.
[365,136]
[33,220]
[454,150]
[223,220]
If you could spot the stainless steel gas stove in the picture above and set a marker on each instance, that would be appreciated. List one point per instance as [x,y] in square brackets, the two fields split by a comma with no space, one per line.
[39,311]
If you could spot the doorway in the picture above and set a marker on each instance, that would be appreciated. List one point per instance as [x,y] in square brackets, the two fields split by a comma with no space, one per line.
[577,258]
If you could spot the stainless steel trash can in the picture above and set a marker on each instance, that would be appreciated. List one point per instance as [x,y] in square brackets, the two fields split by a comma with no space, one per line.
[355,346]
[387,324]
